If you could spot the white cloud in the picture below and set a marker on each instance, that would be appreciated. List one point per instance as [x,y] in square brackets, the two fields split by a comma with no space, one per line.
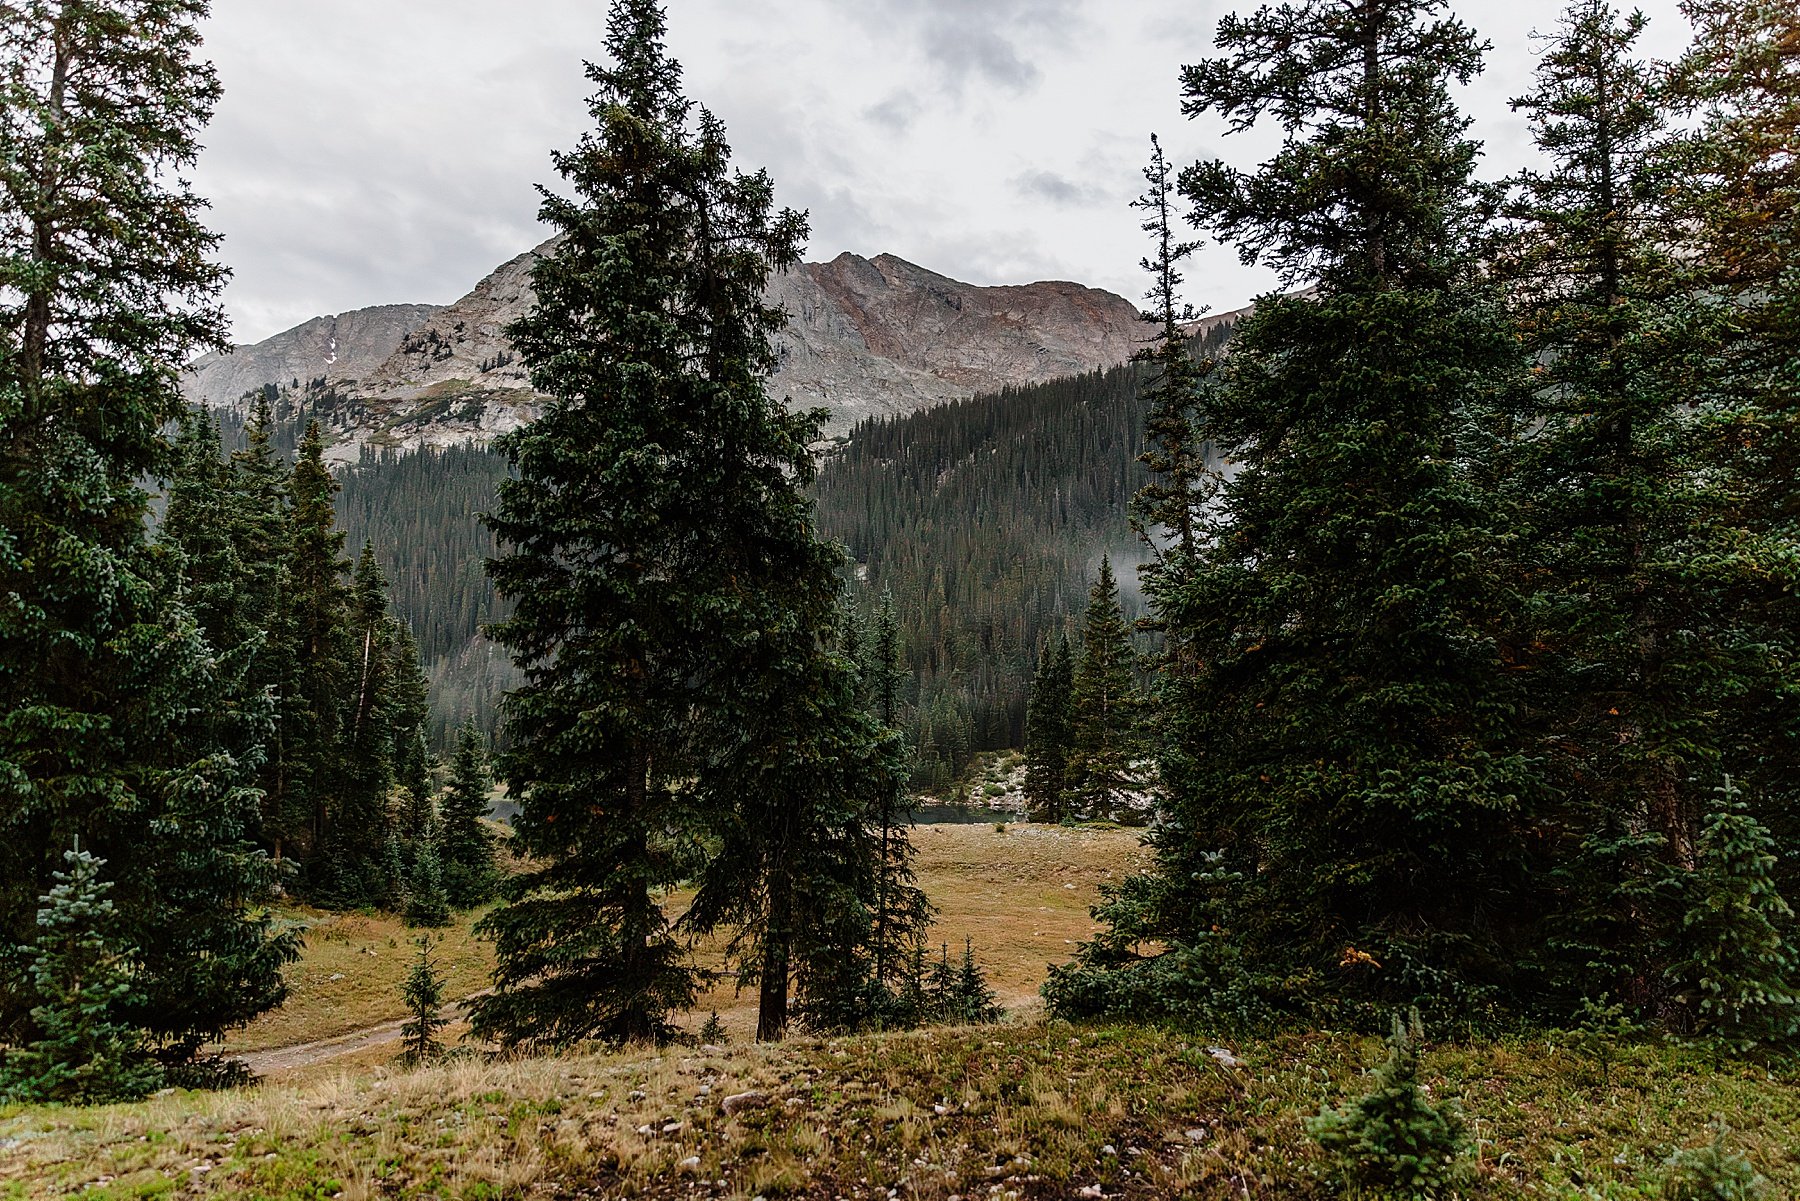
[374,153]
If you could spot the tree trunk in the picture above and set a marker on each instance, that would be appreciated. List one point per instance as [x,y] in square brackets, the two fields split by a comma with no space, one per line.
[772,1012]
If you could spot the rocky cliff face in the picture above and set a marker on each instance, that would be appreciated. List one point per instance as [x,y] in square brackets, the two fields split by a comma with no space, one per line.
[345,347]
[867,337]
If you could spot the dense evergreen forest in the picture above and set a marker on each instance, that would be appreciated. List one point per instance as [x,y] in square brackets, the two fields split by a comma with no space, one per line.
[421,511]
[1052,470]
[1054,466]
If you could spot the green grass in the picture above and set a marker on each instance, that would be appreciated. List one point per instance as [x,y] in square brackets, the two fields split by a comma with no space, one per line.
[1032,1109]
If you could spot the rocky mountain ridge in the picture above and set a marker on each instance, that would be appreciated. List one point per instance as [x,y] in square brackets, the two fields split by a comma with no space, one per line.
[867,337]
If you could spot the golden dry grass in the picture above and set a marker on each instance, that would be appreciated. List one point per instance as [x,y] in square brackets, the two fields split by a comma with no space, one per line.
[1029,1109]
[350,972]
[1022,896]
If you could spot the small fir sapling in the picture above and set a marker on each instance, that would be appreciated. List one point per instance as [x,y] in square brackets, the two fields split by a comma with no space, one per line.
[1392,1141]
[1714,1172]
[1604,1028]
[424,996]
[83,1053]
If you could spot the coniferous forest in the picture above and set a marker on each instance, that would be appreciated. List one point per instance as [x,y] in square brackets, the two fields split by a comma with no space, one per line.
[1437,616]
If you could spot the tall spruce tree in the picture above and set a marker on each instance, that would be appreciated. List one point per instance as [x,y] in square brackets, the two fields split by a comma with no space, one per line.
[1047,731]
[319,657]
[1346,734]
[655,546]
[364,770]
[1105,709]
[1619,539]
[410,704]
[262,533]
[900,908]
[111,729]
[1735,185]
[1165,509]
[198,521]
[800,873]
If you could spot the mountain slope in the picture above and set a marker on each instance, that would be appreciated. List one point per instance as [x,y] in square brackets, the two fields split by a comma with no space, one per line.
[867,337]
[346,346]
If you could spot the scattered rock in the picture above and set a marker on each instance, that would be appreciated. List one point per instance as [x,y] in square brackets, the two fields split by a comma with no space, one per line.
[712,1048]
[671,1127]
[636,1094]
[690,1164]
[1109,1149]
[1224,1057]
[1197,1134]
[1090,1190]
[738,1103]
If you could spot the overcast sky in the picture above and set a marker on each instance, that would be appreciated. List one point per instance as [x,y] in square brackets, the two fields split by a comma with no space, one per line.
[371,153]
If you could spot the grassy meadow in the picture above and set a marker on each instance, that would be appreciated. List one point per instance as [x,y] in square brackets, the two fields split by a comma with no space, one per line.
[1026,1109]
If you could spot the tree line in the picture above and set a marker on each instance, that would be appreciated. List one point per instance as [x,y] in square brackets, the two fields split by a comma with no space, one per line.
[1478,668]
[203,704]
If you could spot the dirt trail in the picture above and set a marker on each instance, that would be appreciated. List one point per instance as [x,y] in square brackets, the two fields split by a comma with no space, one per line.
[300,1055]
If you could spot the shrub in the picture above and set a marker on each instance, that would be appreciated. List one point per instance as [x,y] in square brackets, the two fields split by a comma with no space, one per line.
[1392,1141]
[1713,1173]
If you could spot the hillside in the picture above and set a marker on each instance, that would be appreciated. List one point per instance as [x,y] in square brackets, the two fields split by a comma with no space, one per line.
[867,337]
[1025,1110]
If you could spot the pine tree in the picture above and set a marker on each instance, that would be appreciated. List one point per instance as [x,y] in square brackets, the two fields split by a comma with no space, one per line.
[1393,1141]
[799,870]
[80,976]
[1611,512]
[115,719]
[423,993]
[363,764]
[1105,708]
[1734,182]
[314,700]
[901,909]
[262,533]
[939,988]
[426,902]
[465,845]
[1166,508]
[1741,971]
[1342,728]
[198,522]
[1047,731]
[655,546]
[975,1003]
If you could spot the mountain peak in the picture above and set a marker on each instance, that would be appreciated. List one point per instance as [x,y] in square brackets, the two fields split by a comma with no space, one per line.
[866,337]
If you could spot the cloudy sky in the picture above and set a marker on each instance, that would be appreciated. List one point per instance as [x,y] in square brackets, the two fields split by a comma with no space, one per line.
[369,153]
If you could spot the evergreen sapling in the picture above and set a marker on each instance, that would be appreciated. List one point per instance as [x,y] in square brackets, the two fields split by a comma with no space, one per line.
[80,977]
[423,994]
[1393,1141]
